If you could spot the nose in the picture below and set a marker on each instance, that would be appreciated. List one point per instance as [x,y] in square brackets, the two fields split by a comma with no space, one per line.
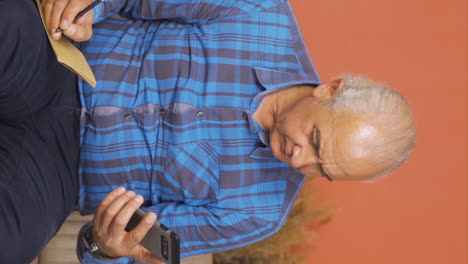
[302,157]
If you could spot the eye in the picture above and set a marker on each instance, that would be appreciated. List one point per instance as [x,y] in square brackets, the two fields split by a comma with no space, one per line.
[314,140]
[324,174]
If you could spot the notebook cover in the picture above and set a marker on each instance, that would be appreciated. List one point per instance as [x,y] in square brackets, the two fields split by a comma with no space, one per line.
[69,55]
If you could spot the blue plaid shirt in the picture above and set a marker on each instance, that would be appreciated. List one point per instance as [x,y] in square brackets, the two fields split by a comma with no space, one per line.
[171,115]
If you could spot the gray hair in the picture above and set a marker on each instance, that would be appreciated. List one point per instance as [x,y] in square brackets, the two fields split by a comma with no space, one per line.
[385,108]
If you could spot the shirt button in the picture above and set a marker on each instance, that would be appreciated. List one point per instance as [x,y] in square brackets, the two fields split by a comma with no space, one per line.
[245,115]
[200,114]
[127,116]
[162,113]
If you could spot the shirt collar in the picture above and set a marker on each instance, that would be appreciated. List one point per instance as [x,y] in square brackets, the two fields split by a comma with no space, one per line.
[273,80]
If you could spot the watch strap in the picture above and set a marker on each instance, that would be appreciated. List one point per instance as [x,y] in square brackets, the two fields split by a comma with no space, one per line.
[92,246]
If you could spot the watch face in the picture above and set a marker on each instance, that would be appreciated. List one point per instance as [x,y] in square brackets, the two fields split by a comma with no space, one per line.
[88,236]
[94,249]
[91,245]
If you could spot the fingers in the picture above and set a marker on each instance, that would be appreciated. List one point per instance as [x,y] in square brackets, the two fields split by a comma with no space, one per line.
[56,16]
[47,6]
[111,212]
[79,32]
[83,18]
[106,202]
[61,13]
[110,220]
[135,237]
[53,10]
[138,233]
[121,219]
[147,257]
[71,11]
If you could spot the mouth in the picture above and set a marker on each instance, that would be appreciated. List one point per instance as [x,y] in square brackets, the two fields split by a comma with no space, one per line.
[283,149]
[278,142]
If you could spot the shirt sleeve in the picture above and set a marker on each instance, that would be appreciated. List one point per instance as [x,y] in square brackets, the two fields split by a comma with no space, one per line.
[201,229]
[207,229]
[181,10]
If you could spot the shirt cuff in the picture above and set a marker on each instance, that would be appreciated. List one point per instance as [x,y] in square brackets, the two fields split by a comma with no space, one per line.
[80,245]
[83,254]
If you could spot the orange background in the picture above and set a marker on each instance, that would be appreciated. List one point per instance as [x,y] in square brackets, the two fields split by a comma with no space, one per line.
[419,47]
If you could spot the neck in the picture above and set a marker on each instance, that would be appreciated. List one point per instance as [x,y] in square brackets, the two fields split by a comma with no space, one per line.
[277,103]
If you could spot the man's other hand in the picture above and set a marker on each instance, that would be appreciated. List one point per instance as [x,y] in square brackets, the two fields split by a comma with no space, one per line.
[109,224]
[61,13]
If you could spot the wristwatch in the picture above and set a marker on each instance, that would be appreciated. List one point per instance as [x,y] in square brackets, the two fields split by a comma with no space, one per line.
[92,247]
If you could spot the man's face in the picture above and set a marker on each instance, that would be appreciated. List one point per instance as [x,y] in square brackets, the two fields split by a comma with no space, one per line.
[315,142]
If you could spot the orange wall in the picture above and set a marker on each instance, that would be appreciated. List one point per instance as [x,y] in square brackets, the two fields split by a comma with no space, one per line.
[419,213]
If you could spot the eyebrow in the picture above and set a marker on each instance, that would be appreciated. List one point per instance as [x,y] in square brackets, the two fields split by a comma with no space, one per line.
[316,145]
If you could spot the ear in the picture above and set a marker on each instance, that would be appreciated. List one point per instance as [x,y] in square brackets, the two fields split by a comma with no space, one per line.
[329,89]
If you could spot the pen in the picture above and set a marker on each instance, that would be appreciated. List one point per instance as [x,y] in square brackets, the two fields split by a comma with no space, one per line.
[82,12]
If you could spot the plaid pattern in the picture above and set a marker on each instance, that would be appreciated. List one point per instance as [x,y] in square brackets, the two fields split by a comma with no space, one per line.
[171,115]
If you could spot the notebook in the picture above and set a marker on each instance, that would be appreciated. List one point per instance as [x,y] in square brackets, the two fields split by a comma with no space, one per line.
[69,55]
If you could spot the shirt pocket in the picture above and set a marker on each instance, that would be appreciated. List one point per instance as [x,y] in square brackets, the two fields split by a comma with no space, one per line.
[194,169]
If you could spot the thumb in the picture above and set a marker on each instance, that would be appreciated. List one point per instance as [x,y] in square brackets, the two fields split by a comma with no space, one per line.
[79,32]
[145,256]
[151,260]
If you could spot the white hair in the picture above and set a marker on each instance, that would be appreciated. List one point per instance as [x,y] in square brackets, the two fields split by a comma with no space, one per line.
[384,108]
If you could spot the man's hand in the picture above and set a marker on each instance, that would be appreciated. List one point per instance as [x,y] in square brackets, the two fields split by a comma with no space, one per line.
[61,13]
[109,224]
